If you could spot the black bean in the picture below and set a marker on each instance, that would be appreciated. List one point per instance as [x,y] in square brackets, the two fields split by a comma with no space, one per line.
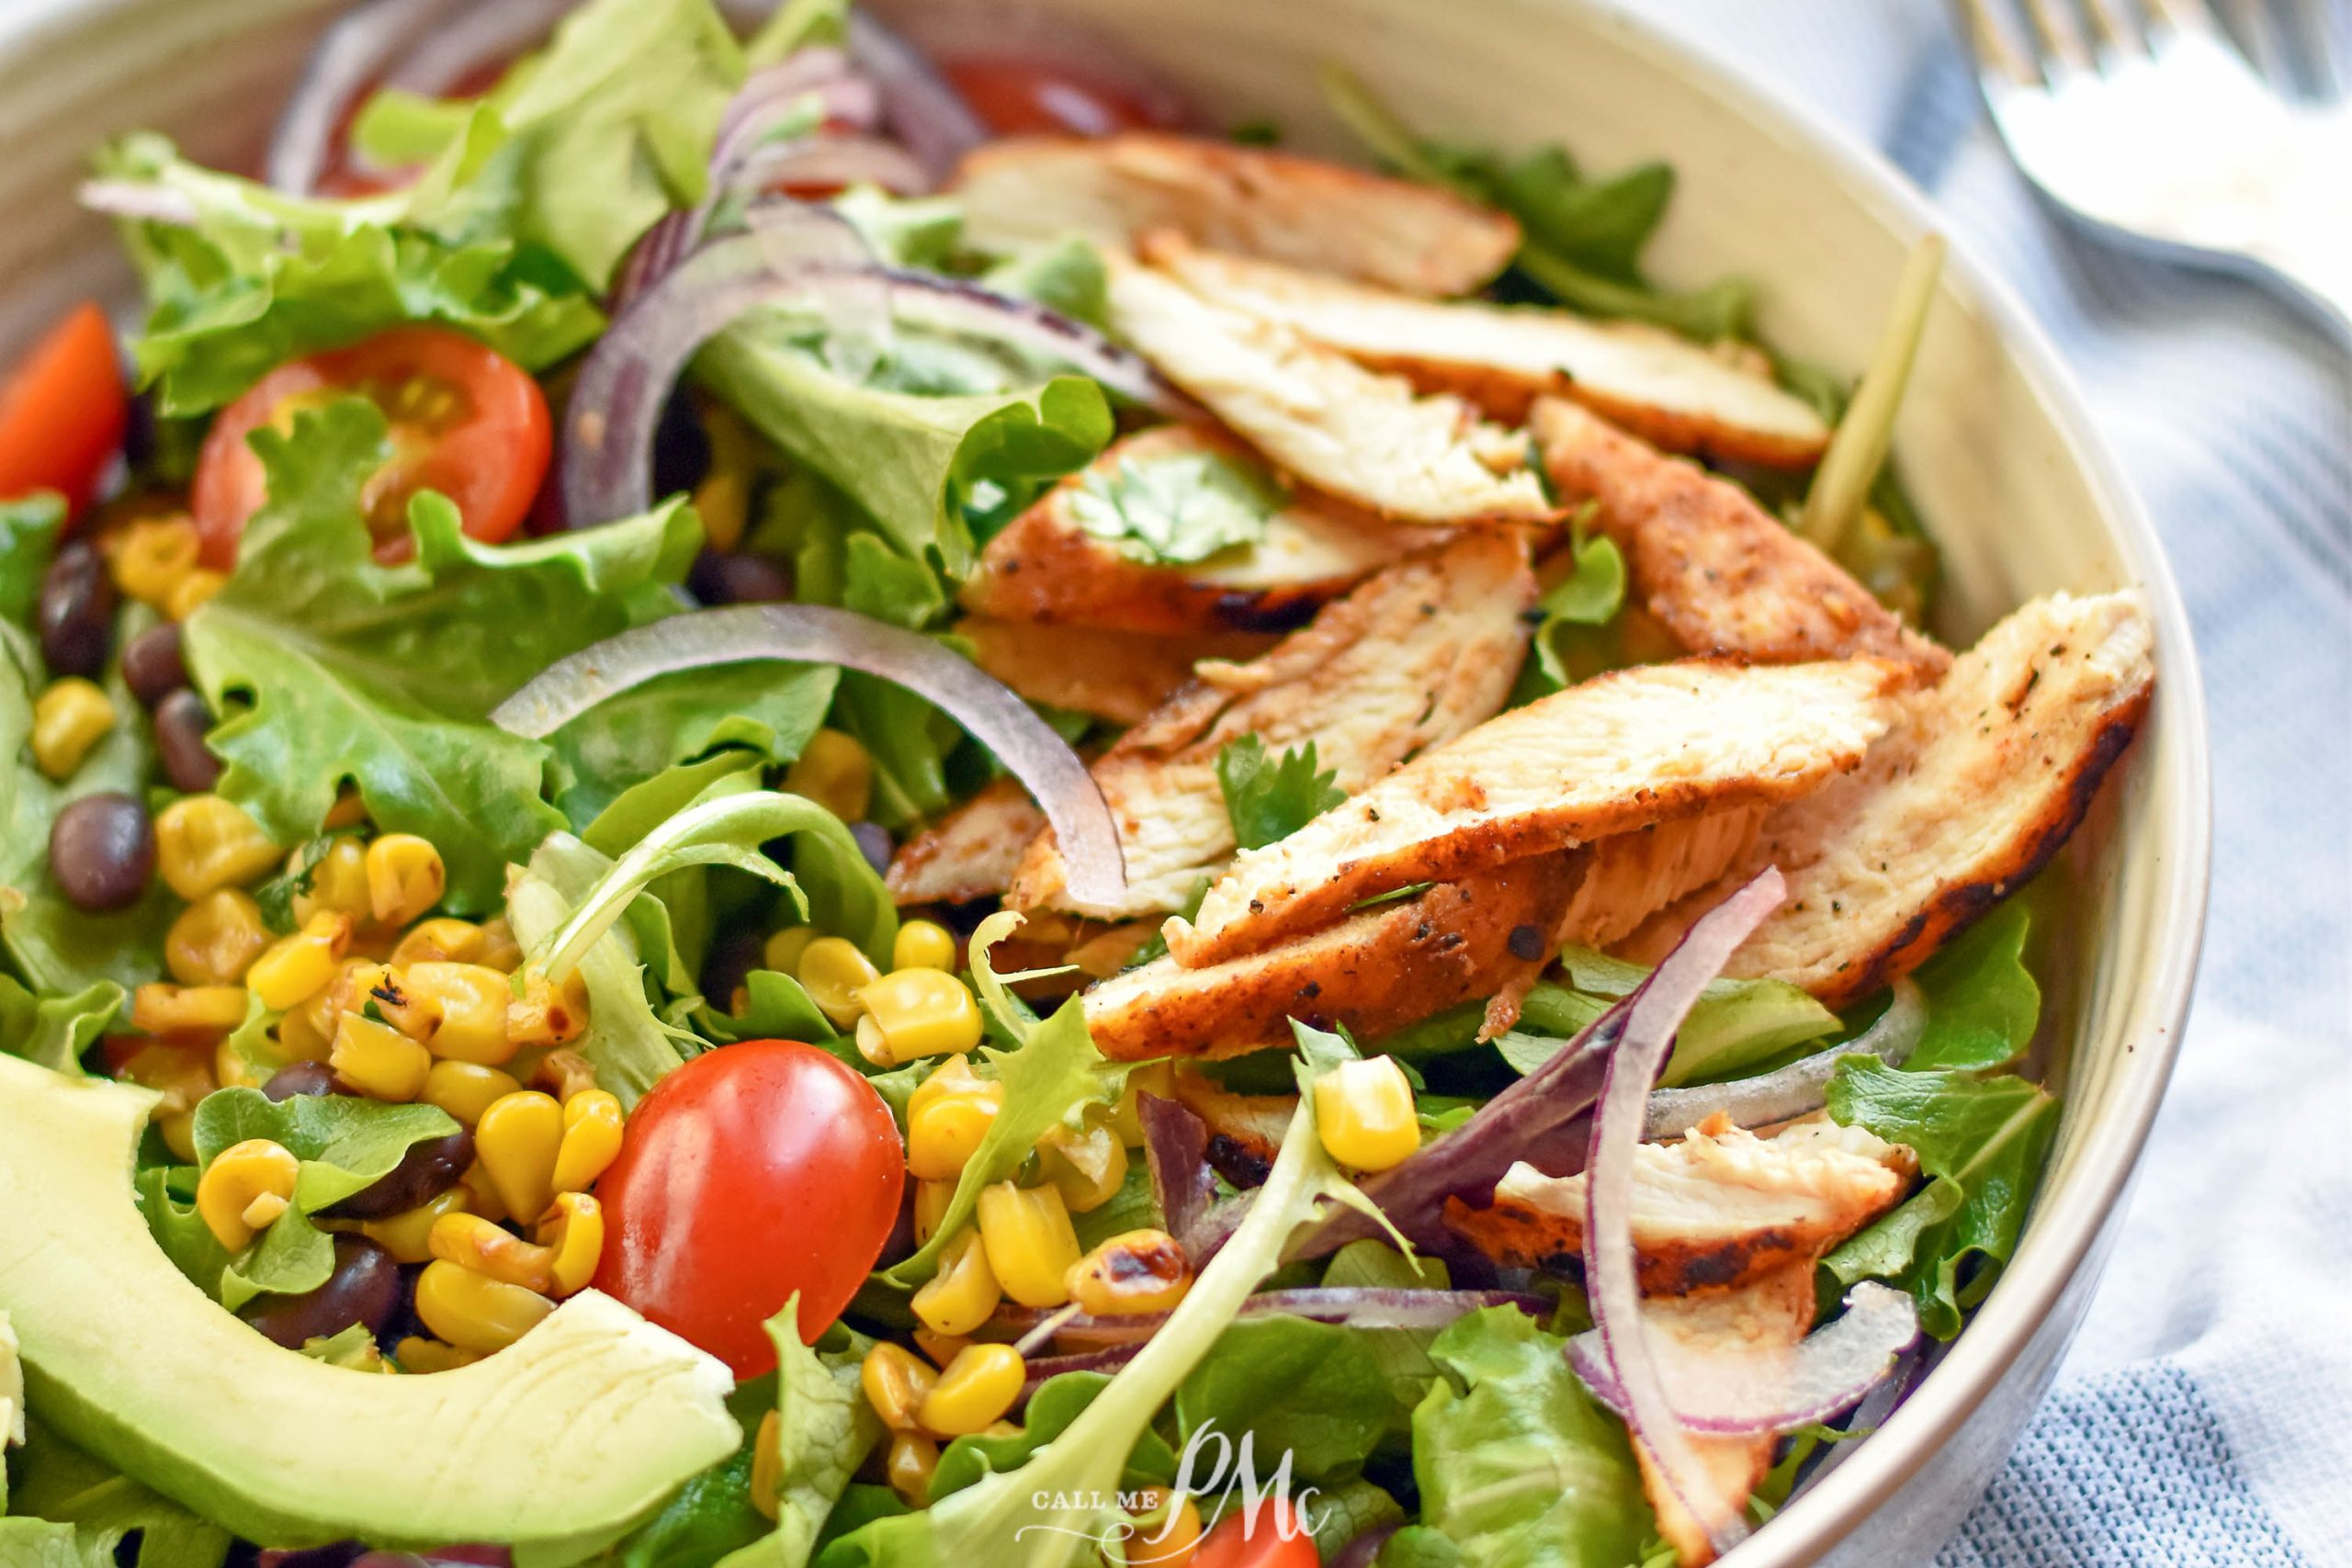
[721,578]
[681,447]
[733,954]
[77,602]
[153,666]
[301,1078]
[182,721]
[426,1171]
[363,1289]
[102,852]
[873,844]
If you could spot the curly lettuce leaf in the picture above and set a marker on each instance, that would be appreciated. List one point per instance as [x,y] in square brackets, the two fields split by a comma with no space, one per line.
[824,1430]
[55,1031]
[1735,1027]
[28,529]
[763,709]
[1313,1391]
[326,666]
[1983,1003]
[71,1509]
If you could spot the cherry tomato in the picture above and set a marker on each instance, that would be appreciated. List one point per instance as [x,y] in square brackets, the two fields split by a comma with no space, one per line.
[62,412]
[1274,1539]
[754,1171]
[465,420]
[1018,97]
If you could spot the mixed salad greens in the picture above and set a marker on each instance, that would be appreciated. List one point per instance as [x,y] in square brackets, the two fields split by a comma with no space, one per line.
[780,794]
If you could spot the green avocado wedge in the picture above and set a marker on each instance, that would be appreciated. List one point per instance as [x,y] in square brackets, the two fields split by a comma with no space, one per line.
[556,1446]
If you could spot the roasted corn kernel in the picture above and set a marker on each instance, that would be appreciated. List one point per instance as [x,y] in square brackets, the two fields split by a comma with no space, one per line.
[978,1387]
[150,555]
[782,950]
[378,1060]
[500,950]
[1166,1531]
[404,879]
[835,771]
[564,1074]
[183,1074]
[923,944]
[916,1013]
[940,1348]
[518,1140]
[468,1002]
[215,940]
[1090,1167]
[573,1232]
[911,1460]
[947,1116]
[896,1382]
[964,1293]
[1030,1242]
[70,716]
[336,879]
[408,1236]
[465,1090]
[417,1354]
[471,1242]
[1143,1270]
[187,1014]
[246,1186]
[547,1014]
[191,592]
[473,1311]
[592,1140]
[203,842]
[932,1198]
[1145,1078]
[832,971]
[295,968]
[1365,1113]
[766,1484]
[443,939]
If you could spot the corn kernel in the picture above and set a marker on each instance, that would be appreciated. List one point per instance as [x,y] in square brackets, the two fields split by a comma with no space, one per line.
[404,879]
[1030,1242]
[564,1074]
[378,1060]
[465,1090]
[1090,1167]
[184,1077]
[232,1071]
[916,1013]
[932,1198]
[940,1348]
[923,944]
[471,1242]
[517,1139]
[912,1458]
[1143,1270]
[895,1383]
[964,1293]
[1365,1114]
[500,950]
[547,1013]
[299,966]
[203,842]
[416,1354]
[481,1193]
[767,1466]
[187,1014]
[336,879]
[573,1232]
[408,1236]
[442,939]
[1145,1078]
[835,771]
[592,1140]
[149,557]
[192,592]
[1166,1531]
[783,950]
[70,716]
[832,971]
[978,1387]
[238,1177]
[348,810]
[215,940]
[947,1116]
[468,1002]
[363,984]
[474,1311]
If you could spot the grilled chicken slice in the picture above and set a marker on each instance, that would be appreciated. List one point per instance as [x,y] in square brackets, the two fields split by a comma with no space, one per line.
[1120,676]
[1353,433]
[1722,574]
[1371,974]
[969,854]
[1502,357]
[1719,1206]
[1610,755]
[1983,777]
[1046,567]
[1413,657]
[1634,875]
[1312,214]
[1245,1130]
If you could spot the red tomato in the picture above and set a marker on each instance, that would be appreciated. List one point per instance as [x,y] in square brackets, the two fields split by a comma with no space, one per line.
[62,412]
[1260,1542]
[465,420]
[1019,97]
[754,1171]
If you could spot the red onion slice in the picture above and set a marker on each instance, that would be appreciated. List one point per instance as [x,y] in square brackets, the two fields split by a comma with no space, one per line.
[1653,1013]
[917,105]
[1738,1395]
[811,162]
[355,51]
[478,35]
[1798,1089]
[1176,1150]
[1358,1307]
[145,200]
[999,719]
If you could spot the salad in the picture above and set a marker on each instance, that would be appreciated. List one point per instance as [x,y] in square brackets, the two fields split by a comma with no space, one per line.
[781,794]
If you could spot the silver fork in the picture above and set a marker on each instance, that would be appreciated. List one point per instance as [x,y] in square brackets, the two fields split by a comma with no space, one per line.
[2143,118]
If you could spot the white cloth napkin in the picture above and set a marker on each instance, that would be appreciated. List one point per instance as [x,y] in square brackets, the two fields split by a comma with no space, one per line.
[2204,1415]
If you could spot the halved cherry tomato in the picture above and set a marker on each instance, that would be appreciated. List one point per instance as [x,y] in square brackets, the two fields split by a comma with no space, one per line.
[465,420]
[1276,1537]
[1020,98]
[62,412]
[754,1171]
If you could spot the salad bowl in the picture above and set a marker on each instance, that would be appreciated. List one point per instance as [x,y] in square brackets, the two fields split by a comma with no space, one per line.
[1994,442]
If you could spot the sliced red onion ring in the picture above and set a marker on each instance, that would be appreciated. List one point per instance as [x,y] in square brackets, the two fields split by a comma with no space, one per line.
[1176,1150]
[475,36]
[354,52]
[1042,762]
[958,305]
[917,105]
[1736,1395]
[1358,1307]
[833,160]
[1653,1013]
[140,199]
[1798,1089]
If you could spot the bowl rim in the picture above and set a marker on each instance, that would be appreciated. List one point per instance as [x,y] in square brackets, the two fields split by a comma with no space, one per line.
[2063,1227]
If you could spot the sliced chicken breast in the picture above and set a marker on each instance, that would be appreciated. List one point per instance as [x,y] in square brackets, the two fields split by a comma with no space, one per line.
[1634,875]
[1048,566]
[969,854]
[1610,755]
[1415,656]
[1663,387]
[1312,214]
[1980,783]
[1725,576]
[1120,676]
[1353,433]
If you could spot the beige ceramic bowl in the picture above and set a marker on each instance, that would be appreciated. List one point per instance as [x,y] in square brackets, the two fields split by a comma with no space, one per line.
[1993,440]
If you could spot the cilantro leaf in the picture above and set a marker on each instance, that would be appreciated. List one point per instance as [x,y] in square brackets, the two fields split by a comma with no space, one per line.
[1177,507]
[1271,798]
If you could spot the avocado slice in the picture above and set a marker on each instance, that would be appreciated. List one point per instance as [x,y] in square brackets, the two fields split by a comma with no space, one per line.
[556,1446]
